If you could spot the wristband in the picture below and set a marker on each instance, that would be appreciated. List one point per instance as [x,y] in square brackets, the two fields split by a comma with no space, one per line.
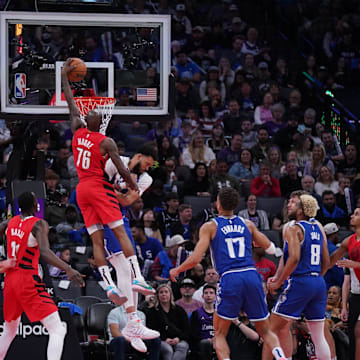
[271,249]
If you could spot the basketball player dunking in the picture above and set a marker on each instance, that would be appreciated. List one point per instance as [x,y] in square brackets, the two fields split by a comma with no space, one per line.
[305,259]
[230,239]
[24,291]
[95,194]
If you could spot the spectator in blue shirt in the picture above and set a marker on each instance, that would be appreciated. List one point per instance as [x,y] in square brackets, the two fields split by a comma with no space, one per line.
[187,69]
[335,275]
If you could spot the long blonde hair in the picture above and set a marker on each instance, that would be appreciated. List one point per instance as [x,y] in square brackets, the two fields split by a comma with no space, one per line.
[172,301]
[197,154]
[313,165]
[320,178]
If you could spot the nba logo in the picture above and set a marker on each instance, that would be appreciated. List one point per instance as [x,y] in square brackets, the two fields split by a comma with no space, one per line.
[20,86]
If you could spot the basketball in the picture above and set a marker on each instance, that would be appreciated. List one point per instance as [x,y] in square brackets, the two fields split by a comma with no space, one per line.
[79,72]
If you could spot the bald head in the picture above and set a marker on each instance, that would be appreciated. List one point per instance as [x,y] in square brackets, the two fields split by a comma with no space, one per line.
[93,120]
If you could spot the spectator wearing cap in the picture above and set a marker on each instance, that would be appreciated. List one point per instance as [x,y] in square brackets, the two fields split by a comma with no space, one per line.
[198,40]
[165,260]
[330,212]
[186,97]
[182,19]
[263,113]
[265,185]
[186,68]
[187,289]
[201,325]
[335,275]
[232,118]
[71,230]
[212,80]
[238,27]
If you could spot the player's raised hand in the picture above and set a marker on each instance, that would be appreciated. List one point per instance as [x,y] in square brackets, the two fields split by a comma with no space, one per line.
[348,263]
[67,67]
[75,276]
[173,274]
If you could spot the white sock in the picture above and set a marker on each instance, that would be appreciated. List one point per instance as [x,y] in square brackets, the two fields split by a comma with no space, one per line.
[124,277]
[322,348]
[278,353]
[134,265]
[106,276]
[57,332]
[9,332]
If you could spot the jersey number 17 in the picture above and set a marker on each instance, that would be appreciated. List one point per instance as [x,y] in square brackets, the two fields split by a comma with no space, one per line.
[230,242]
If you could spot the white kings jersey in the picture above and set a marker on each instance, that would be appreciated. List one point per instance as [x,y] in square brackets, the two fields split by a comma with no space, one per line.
[144,180]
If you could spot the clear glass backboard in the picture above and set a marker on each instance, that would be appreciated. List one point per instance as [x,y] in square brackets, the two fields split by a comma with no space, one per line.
[127,57]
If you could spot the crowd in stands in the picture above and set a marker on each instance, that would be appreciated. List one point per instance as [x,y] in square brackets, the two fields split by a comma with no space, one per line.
[245,118]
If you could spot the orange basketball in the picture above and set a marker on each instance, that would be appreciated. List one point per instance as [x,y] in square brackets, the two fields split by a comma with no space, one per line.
[79,72]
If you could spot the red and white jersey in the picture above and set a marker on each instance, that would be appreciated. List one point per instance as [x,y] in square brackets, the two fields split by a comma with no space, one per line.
[144,180]
[21,243]
[89,161]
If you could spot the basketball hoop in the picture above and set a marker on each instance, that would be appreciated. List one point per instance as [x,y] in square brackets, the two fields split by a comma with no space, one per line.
[104,104]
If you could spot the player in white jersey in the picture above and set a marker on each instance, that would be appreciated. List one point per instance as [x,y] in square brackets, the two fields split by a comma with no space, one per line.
[137,166]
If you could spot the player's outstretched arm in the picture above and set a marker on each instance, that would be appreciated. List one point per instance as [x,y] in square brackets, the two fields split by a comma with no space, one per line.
[41,231]
[207,231]
[75,119]
[110,148]
[339,253]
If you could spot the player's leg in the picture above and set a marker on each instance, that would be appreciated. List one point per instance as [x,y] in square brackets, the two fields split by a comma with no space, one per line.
[221,327]
[96,233]
[57,332]
[8,335]
[139,283]
[330,340]
[357,339]
[322,348]
[271,341]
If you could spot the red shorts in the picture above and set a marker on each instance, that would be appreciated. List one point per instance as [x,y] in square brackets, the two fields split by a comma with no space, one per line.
[98,203]
[24,291]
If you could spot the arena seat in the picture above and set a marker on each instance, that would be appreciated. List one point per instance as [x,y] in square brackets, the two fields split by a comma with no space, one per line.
[79,257]
[198,203]
[96,322]
[274,236]
[272,205]
[135,142]
[92,288]
[344,234]
[72,292]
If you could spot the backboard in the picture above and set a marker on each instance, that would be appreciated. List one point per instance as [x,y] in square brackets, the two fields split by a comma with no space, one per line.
[127,56]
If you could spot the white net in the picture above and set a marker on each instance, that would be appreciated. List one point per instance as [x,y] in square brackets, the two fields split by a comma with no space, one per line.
[104,105]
